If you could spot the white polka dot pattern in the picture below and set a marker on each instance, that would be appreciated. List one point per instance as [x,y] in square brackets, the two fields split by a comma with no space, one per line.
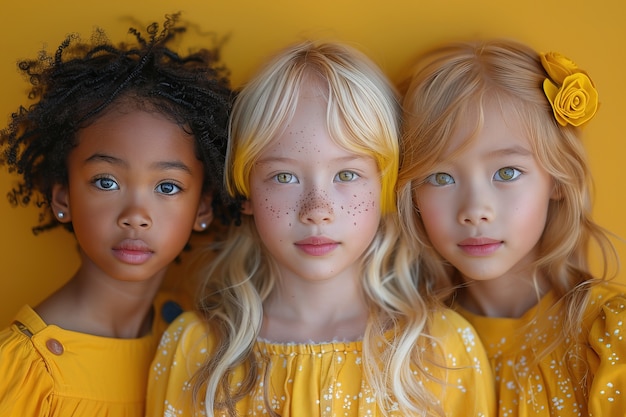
[316,379]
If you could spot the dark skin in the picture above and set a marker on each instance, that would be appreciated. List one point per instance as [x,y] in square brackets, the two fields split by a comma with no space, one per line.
[134,195]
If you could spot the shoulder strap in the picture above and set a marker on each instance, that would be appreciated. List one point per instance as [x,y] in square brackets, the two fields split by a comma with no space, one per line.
[23,328]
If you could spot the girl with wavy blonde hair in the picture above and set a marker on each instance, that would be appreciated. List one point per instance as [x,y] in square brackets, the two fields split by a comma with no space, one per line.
[307,310]
[494,194]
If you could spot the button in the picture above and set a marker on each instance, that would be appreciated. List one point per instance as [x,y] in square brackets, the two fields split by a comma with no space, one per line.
[54,346]
[170,310]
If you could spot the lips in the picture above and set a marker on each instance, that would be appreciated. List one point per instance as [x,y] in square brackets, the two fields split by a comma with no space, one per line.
[480,246]
[317,245]
[133,251]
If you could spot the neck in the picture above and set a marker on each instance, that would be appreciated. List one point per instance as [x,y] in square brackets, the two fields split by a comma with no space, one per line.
[93,304]
[324,311]
[509,296]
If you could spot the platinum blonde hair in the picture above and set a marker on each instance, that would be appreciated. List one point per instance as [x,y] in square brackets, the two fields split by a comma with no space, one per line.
[363,116]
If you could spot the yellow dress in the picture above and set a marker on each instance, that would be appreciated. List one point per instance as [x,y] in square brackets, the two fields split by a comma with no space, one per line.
[48,371]
[548,388]
[323,379]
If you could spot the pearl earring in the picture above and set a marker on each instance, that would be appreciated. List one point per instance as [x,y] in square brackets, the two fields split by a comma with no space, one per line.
[203,225]
[60,215]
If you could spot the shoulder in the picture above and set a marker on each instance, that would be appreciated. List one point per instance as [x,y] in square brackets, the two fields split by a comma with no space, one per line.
[466,369]
[448,325]
[187,329]
[606,297]
[25,325]
[181,353]
[187,340]
[605,318]
[607,294]
[23,369]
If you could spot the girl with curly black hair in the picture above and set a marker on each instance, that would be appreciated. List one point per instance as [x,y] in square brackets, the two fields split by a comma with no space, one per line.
[124,146]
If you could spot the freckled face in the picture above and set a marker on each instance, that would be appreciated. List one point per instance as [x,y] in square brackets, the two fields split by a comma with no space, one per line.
[316,206]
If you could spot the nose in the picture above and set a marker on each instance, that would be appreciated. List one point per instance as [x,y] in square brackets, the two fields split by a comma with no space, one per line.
[134,216]
[317,208]
[476,206]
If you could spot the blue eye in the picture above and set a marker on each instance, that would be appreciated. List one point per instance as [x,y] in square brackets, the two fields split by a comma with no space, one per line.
[168,188]
[346,176]
[286,178]
[439,179]
[506,174]
[105,183]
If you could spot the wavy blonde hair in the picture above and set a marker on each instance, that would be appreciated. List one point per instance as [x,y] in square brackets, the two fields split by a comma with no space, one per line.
[363,116]
[444,84]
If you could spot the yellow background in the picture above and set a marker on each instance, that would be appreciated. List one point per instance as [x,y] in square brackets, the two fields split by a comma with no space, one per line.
[592,33]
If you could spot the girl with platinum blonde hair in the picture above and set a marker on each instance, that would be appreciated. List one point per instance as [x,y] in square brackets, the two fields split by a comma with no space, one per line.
[494,195]
[307,310]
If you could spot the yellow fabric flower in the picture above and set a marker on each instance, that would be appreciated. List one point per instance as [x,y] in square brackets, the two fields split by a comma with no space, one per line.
[575,101]
[569,89]
[558,66]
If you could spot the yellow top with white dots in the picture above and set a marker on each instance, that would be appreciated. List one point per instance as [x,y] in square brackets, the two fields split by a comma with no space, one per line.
[594,387]
[317,379]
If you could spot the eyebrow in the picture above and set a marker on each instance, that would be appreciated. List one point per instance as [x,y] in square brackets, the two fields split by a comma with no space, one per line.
[513,150]
[159,165]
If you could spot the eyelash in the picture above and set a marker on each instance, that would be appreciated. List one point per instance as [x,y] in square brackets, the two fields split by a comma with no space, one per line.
[98,183]
[99,180]
[178,188]
[293,179]
[433,179]
[515,174]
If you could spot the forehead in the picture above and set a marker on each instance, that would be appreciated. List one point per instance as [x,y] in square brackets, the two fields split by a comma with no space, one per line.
[494,125]
[135,135]
[306,138]
[307,127]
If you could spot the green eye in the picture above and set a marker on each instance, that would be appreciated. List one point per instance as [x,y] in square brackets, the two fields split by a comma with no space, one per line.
[284,178]
[346,176]
[440,178]
[506,174]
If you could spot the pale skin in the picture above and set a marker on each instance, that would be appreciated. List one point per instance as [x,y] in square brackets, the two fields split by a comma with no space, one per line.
[485,210]
[134,195]
[316,207]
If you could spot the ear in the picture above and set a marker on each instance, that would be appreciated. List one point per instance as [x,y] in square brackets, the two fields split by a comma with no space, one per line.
[60,203]
[246,207]
[204,215]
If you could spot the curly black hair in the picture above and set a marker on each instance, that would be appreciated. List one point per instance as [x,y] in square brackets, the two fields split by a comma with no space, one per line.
[73,87]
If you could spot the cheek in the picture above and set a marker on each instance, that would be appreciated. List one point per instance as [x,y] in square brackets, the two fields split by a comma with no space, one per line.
[273,205]
[434,224]
[435,214]
[361,207]
[88,211]
[530,214]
